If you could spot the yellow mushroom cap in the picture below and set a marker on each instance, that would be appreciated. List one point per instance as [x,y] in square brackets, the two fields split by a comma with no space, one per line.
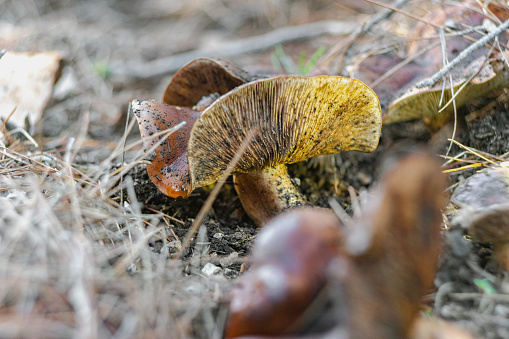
[296,118]
[478,79]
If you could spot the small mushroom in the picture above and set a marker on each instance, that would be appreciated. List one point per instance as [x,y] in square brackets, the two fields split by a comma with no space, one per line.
[430,102]
[292,260]
[192,89]
[296,118]
[484,201]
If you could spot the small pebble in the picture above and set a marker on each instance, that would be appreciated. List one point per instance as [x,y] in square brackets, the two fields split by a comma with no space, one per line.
[210,269]
[229,260]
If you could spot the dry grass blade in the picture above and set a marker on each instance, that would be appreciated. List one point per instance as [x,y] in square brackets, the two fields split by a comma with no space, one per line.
[456,61]
[478,153]
[462,168]
[488,159]
[408,14]
[81,241]
[215,191]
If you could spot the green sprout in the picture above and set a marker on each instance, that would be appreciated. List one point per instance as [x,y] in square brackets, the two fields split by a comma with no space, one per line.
[102,68]
[283,62]
[485,286]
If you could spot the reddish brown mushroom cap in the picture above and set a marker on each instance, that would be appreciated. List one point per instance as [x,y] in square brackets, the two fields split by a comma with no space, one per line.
[201,78]
[168,169]
[292,260]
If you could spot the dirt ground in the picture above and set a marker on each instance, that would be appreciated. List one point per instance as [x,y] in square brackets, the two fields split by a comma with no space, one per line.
[119,277]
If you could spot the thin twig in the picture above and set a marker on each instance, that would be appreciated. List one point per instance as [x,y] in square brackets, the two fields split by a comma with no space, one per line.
[326,59]
[466,52]
[402,64]
[166,215]
[408,14]
[171,64]
[124,141]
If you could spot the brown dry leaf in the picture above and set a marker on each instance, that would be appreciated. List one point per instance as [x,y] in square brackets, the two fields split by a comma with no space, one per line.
[297,118]
[456,16]
[27,82]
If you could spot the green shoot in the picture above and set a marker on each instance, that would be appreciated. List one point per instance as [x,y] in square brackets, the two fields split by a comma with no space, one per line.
[485,286]
[102,68]
[283,62]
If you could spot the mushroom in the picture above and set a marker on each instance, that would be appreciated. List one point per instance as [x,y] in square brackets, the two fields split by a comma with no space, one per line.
[400,93]
[193,88]
[484,201]
[293,258]
[477,80]
[296,118]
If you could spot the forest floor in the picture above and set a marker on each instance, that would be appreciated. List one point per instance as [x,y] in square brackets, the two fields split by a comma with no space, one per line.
[81,254]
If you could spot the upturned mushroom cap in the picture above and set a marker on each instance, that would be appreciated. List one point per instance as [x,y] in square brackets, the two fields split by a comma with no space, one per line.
[427,102]
[296,118]
[200,78]
[168,168]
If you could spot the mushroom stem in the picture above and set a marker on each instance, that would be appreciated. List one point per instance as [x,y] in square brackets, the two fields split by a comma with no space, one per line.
[265,193]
